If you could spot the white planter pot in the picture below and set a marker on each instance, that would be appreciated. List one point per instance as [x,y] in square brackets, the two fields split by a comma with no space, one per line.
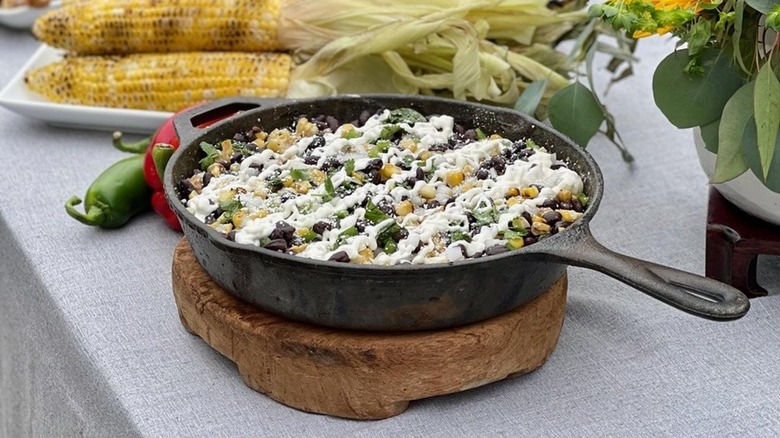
[745,191]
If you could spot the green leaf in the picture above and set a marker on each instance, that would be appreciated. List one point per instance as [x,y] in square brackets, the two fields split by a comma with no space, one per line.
[374,214]
[753,158]
[299,174]
[330,191]
[388,131]
[407,115]
[480,134]
[709,133]
[349,166]
[531,96]
[576,113]
[689,101]
[738,111]
[767,114]
[763,6]
[212,155]
[461,235]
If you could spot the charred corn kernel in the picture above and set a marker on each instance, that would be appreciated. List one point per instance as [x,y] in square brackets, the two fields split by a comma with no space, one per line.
[279,140]
[539,228]
[240,191]
[513,201]
[529,192]
[495,137]
[363,256]
[537,218]
[238,218]
[259,214]
[305,128]
[511,192]
[143,26]
[424,155]
[227,149]
[403,208]
[301,187]
[454,178]
[408,144]
[226,196]
[162,82]
[388,170]
[569,215]
[260,193]
[428,191]
[288,182]
[317,176]
[260,139]
[215,169]
[564,195]
[466,186]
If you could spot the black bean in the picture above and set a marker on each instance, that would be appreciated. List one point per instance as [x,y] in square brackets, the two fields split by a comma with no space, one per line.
[420,174]
[277,245]
[238,136]
[559,226]
[527,216]
[311,160]
[321,226]
[529,240]
[519,145]
[576,205]
[333,123]
[464,251]
[525,153]
[235,158]
[207,178]
[330,163]
[363,118]
[432,204]
[376,177]
[451,200]
[566,206]
[458,128]
[231,235]
[184,188]
[496,249]
[470,134]
[400,235]
[386,207]
[286,196]
[213,216]
[507,153]
[550,203]
[317,142]
[482,173]
[361,225]
[551,217]
[341,257]
[283,230]
[557,166]
[499,164]
[439,147]
[418,247]
[410,182]
[374,164]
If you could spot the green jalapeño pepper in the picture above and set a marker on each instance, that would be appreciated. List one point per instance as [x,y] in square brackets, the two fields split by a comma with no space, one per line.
[116,195]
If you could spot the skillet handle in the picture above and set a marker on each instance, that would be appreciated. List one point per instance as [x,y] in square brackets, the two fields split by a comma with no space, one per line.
[695,294]
[190,122]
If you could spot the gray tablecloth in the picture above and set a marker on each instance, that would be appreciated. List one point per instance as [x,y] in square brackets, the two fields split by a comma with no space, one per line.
[91,345]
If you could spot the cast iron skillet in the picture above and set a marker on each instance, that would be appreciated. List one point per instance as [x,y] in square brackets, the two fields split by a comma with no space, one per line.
[416,297]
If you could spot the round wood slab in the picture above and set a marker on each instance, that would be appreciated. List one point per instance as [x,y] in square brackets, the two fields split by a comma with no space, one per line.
[362,375]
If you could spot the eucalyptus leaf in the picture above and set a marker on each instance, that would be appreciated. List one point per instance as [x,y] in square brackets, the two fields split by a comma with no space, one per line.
[575,112]
[763,6]
[736,115]
[529,100]
[688,100]
[709,133]
[753,159]
[767,114]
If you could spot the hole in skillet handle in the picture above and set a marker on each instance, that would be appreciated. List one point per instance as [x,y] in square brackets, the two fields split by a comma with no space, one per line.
[189,123]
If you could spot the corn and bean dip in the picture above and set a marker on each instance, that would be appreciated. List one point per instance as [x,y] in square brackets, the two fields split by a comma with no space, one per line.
[390,187]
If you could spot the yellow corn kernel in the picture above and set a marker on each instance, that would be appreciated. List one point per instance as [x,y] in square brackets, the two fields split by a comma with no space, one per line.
[347,130]
[260,193]
[495,137]
[215,169]
[539,228]
[388,170]
[288,182]
[512,192]
[143,26]
[513,201]
[302,231]
[260,138]
[408,144]
[279,140]
[403,208]
[455,178]
[516,243]
[364,256]
[259,214]
[301,187]
[564,195]
[468,169]
[226,196]
[569,215]
[317,176]
[238,218]
[298,248]
[424,155]
[537,218]
[305,128]
[160,81]
[428,191]
[529,192]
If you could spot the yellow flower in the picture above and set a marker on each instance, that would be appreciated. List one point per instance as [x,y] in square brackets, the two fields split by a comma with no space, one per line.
[669,5]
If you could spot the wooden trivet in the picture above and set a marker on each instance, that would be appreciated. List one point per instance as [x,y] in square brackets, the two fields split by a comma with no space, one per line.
[362,375]
[734,241]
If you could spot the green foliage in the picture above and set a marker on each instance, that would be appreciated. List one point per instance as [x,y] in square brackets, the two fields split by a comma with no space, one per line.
[694,100]
[530,98]
[767,113]
[753,158]
[736,115]
[575,112]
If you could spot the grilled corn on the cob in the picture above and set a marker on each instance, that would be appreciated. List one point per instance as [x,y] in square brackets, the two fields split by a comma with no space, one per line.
[137,26]
[163,82]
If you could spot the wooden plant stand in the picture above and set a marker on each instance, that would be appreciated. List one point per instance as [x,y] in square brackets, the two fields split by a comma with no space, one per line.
[362,375]
[734,241]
